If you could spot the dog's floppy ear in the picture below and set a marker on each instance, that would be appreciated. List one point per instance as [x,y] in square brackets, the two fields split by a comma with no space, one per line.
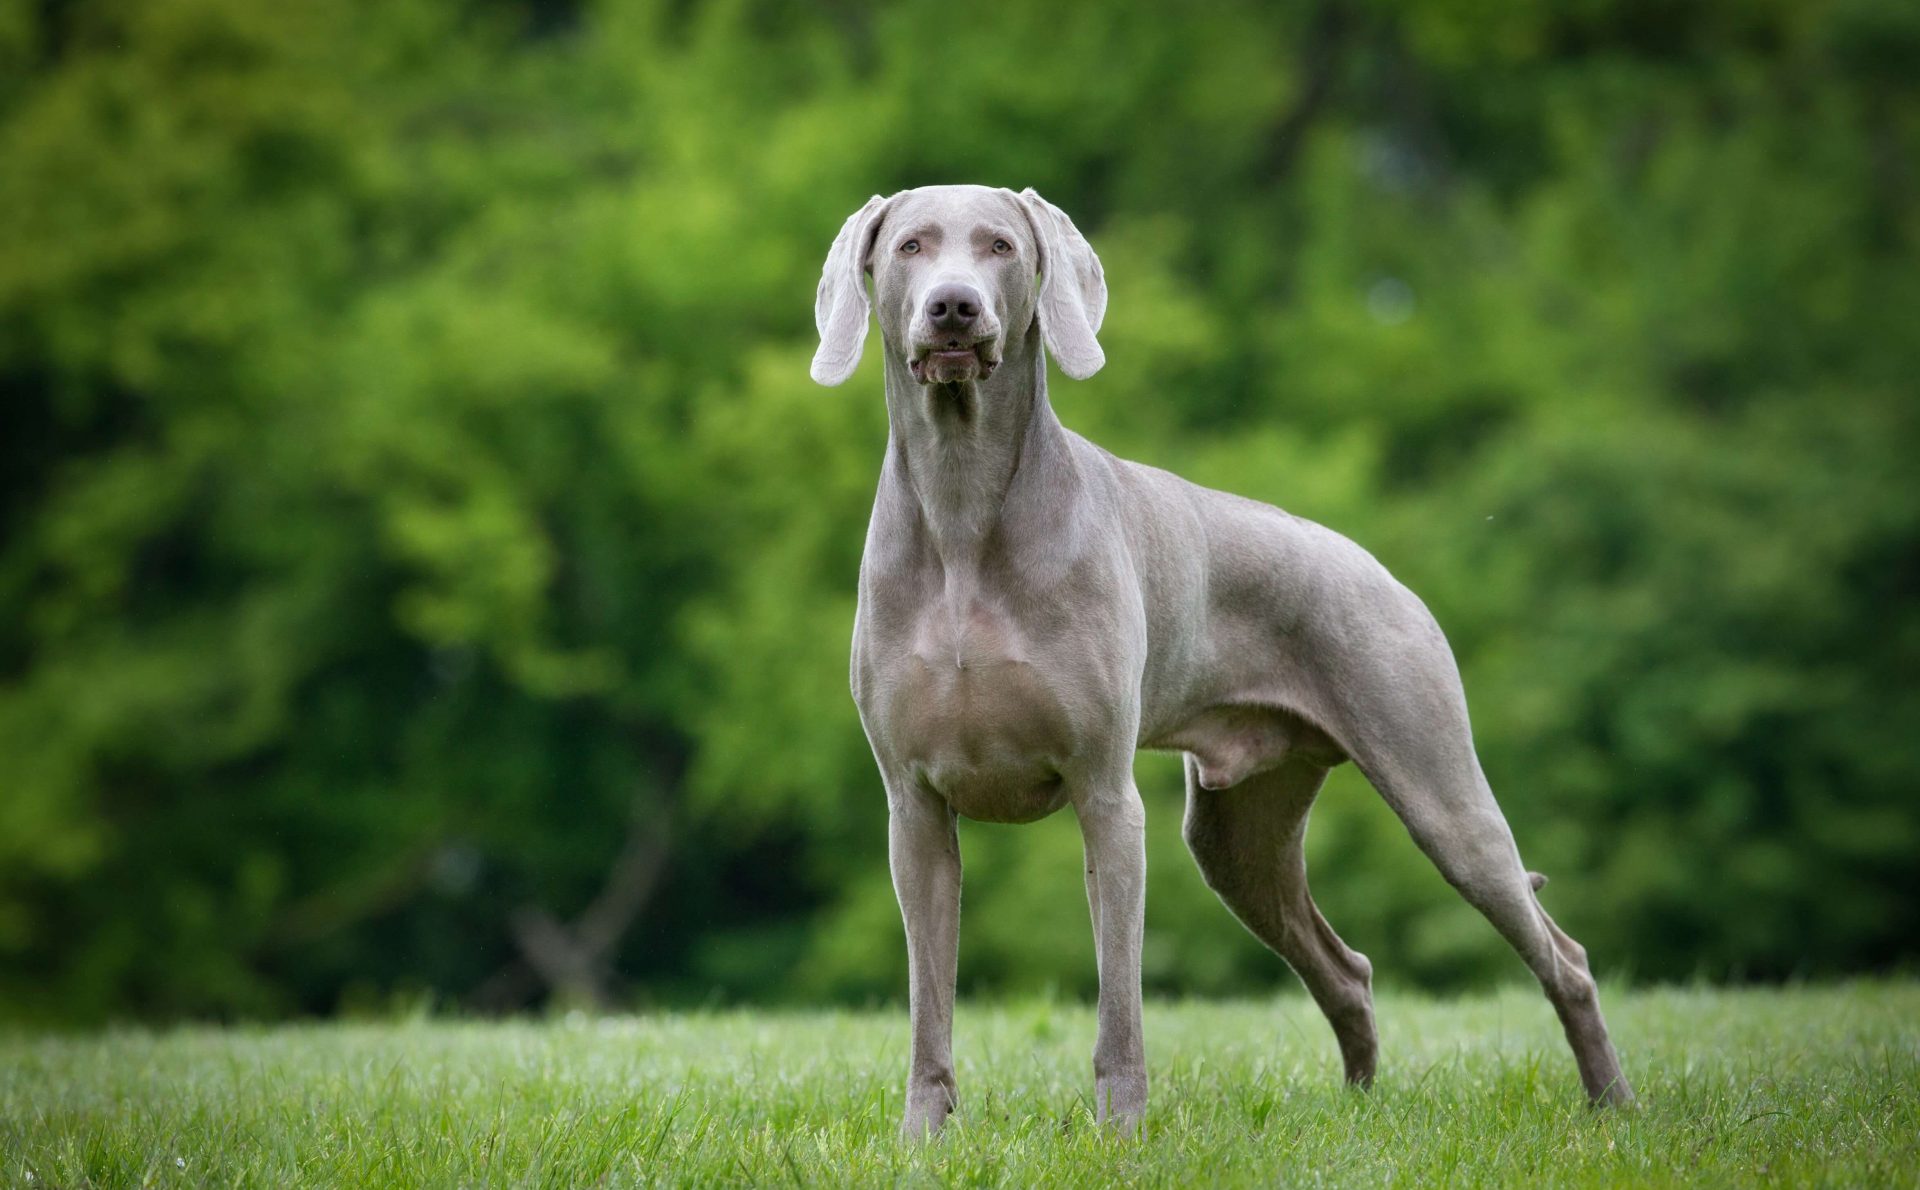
[1073,290]
[840,307]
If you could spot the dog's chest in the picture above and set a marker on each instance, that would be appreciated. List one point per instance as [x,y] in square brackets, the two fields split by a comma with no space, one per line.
[973,706]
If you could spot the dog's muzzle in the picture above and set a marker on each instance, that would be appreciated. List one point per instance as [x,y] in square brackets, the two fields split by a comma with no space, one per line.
[955,338]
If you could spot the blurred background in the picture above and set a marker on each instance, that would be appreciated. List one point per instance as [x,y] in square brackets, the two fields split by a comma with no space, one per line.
[426,569]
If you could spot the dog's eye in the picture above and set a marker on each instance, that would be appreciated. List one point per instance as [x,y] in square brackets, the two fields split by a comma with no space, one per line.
[1001,247]
[910,247]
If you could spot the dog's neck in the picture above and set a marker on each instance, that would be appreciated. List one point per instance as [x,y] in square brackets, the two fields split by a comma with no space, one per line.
[962,450]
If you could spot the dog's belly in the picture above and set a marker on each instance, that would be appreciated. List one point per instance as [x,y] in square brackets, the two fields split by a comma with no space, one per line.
[1231,743]
[990,736]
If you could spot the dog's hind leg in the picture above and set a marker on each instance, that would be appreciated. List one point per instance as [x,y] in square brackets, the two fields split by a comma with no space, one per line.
[1249,841]
[1445,802]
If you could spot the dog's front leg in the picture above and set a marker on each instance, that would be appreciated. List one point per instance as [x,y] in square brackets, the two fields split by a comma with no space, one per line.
[1114,828]
[923,846]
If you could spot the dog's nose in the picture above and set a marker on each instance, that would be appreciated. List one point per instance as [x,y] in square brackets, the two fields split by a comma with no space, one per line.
[953,307]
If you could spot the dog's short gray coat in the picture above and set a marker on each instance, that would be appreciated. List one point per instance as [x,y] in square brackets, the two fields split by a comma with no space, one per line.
[1033,610]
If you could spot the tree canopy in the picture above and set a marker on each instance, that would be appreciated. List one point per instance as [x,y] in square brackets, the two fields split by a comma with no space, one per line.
[427,569]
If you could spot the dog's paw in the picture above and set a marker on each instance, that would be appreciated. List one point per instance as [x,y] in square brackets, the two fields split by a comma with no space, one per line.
[1120,1101]
[1616,1096]
[928,1107]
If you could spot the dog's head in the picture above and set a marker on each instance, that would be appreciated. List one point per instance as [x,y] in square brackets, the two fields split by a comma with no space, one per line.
[956,271]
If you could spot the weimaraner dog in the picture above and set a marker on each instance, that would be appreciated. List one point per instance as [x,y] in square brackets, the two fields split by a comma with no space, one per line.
[1033,610]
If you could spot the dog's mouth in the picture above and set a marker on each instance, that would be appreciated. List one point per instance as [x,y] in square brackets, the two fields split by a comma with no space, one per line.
[952,361]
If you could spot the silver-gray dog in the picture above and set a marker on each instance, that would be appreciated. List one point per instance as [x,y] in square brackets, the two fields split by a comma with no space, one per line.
[1033,610]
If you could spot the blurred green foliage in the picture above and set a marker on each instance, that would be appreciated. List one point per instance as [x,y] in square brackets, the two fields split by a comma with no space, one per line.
[410,483]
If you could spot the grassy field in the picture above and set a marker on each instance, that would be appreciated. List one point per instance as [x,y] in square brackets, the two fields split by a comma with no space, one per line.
[1795,1086]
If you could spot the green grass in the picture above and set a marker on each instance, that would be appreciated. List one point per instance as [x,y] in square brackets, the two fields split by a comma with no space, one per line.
[1794,1086]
